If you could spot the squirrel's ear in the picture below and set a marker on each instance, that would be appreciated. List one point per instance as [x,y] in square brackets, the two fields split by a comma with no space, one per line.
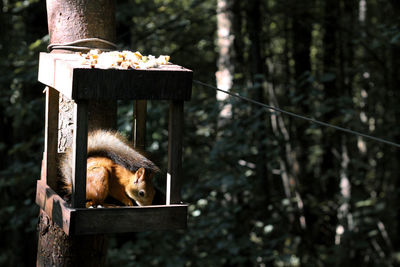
[140,174]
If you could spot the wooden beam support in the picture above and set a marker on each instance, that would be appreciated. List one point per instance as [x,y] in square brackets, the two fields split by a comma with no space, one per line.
[79,154]
[130,219]
[103,220]
[175,136]
[53,205]
[65,73]
[51,137]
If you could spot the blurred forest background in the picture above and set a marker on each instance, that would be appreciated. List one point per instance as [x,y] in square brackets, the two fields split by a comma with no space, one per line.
[264,189]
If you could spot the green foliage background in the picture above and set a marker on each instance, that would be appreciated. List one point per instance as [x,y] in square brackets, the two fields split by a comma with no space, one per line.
[320,58]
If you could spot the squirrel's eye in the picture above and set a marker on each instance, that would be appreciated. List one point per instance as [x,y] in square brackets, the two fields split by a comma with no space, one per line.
[142,193]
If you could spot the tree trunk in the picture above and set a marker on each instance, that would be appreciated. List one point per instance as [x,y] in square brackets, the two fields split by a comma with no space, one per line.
[225,71]
[301,15]
[332,141]
[258,77]
[345,248]
[238,41]
[5,121]
[55,248]
[71,20]
[394,84]
[301,29]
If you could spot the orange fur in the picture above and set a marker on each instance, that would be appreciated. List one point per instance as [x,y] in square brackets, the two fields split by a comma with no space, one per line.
[97,182]
[104,178]
[114,169]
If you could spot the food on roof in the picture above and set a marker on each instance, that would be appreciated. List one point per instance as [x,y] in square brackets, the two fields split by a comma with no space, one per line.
[122,60]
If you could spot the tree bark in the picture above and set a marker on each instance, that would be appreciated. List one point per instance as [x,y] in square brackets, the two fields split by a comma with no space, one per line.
[55,248]
[71,20]
[345,248]
[301,29]
[225,72]
[333,164]
[301,23]
[5,121]
[394,84]
[331,140]
[258,78]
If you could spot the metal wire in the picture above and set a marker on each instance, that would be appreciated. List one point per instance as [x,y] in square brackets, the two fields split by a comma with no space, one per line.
[300,116]
[73,45]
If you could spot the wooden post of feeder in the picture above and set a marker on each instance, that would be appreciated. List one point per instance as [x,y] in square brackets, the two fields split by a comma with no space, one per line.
[175,136]
[79,154]
[51,140]
[68,21]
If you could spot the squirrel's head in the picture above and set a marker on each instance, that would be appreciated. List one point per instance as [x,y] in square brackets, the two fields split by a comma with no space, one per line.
[141,187]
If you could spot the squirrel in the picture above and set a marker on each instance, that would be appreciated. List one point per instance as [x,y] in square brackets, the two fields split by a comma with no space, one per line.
[114,169]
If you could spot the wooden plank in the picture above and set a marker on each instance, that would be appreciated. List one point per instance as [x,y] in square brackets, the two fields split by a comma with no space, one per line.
[168,82]
[139,124]
[55,207]
[175,136]
[109,220]
[46,70]
[152,84]
[79,154]
[55,71]
[51,137]
[129,219]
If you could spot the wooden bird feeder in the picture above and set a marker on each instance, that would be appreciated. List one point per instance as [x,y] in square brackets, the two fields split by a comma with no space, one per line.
[63,73]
